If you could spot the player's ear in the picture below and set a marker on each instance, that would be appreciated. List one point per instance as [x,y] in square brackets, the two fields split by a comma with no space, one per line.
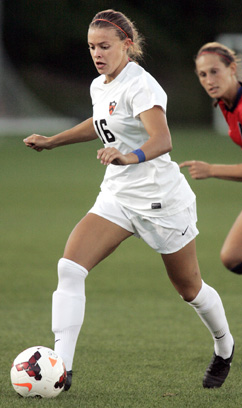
[233,67]
[127,43]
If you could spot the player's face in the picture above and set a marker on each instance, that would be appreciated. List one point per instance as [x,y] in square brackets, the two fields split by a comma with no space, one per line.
[216,78]
[108,52]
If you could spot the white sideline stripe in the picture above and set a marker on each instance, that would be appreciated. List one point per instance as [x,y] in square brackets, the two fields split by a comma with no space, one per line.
[22,126]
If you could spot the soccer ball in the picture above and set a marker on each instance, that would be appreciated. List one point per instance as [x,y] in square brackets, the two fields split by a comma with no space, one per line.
[38,371]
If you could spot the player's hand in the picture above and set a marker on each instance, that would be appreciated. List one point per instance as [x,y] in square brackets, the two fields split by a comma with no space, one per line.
[197,169]
[37,142]
[110,155]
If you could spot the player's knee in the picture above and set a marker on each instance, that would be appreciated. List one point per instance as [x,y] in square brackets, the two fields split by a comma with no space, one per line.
[237,269]
[227,263]
[226,259]
[231,263]
[189,293]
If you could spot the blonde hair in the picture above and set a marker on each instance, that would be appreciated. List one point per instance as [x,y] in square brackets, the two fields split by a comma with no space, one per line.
[124,29]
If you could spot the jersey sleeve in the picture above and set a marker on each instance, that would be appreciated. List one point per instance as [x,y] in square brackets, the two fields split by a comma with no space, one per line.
[147,93]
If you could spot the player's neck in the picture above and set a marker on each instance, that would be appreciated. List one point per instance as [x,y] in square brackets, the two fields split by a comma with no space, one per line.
[230,98]
[111,77]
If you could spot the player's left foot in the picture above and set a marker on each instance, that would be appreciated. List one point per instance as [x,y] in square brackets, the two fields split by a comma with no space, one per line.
[217,371]
[67,385]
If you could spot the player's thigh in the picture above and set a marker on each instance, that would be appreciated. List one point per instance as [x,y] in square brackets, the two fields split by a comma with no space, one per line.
[183,270]
[231,252]
[93,239]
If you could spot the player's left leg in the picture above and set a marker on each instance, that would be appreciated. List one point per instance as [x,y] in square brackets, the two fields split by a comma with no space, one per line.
[231,252]
[91,241]
[183,270]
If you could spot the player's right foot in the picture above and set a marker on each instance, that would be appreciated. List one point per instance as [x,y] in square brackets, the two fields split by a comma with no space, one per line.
[67,385]
[217,371]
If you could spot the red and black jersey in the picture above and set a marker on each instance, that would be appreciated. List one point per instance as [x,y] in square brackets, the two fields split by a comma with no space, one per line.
[234,118]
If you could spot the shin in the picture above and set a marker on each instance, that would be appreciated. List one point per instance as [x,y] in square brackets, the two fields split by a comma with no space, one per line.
[68,308]
[209,307]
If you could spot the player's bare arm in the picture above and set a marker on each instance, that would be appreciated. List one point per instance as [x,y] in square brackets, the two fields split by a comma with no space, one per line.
[154,121]
[231,172]
[201,170]
[82,132]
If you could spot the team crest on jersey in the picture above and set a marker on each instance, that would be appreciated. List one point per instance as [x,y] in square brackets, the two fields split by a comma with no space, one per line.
[112,106]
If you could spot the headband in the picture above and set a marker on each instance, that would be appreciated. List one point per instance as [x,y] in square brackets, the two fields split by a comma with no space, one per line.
[216,53]
[103,19]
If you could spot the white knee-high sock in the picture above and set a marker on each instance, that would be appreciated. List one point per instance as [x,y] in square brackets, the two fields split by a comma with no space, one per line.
[68,308]
[209,307]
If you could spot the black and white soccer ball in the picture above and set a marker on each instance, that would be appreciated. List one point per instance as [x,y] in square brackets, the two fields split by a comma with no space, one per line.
[38,371]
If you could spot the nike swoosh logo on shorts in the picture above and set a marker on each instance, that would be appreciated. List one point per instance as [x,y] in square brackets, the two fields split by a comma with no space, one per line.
[184,232]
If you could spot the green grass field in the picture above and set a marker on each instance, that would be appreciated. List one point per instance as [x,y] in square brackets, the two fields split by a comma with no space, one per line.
[141,346]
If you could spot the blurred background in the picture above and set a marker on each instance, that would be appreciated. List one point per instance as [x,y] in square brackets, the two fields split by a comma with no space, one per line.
[45,75]
[46,69]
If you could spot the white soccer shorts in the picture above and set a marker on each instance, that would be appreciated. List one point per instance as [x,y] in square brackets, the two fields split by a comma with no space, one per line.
[165,235]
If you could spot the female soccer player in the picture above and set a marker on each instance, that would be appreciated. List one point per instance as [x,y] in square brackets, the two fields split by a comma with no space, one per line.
[216,67]
[143,192]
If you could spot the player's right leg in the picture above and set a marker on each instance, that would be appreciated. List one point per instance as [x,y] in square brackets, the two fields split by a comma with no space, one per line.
[92,240]
[183,270]
[231,254]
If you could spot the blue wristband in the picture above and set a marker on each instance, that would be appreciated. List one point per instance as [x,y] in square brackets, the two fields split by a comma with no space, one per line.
[140,154]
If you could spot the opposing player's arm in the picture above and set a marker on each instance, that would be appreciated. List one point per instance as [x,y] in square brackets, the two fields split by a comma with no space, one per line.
[227,171]
[201,170]
[82,132]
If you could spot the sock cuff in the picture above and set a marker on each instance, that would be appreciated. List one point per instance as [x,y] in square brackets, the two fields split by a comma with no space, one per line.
[73,266]
[205,299]
[71,278]
[200,296]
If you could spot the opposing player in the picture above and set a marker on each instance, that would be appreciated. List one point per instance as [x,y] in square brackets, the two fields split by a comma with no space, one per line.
[216,67]
[143,192]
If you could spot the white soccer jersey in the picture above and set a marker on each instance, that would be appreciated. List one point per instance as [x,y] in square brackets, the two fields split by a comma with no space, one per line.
[155,187]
